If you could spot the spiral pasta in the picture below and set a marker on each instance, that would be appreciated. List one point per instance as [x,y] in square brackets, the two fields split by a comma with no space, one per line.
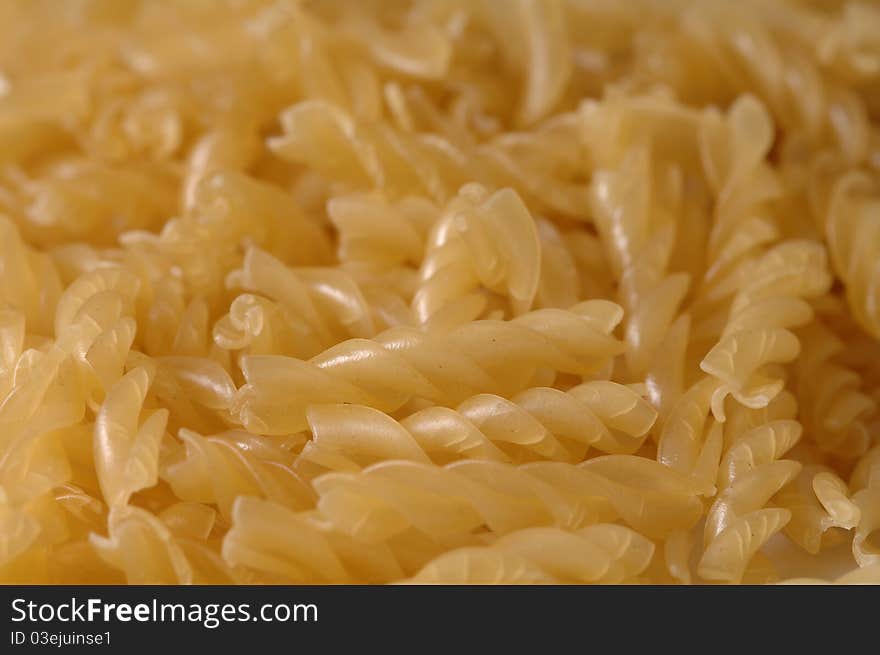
[445,367]
[481,243]
[599,554]
[439,292]
[538,423]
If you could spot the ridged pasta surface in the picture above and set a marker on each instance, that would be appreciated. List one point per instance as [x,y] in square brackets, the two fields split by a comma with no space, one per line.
[439,292]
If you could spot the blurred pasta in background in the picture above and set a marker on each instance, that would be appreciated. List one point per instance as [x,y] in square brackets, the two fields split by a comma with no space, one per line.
[439,291]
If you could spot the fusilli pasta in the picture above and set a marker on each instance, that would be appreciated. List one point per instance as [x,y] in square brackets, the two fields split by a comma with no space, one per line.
[439,291]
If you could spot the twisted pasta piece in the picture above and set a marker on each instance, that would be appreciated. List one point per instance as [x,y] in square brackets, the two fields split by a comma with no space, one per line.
[739,53]
[865,485]
[235,147]
[751,473]
[447,368]
[639,235]
[126,453]
[692,441]
[819,501]
[291,311]
[390,521]
[756,335]
[732,149]
[232,210]
[12,336]
[559,282]
[70,199]
[271,541]
[30,283]
[596,554]
[372,230]
[44,401]
[849,211]
[95,318]
[220,468]
[539,423]
[381,245]
[48,536]
[596,280]
[543,51]
[850,43]
[18,530]
[232,201]
[544,164]
[147,550]
[834,407]
[391,497]
[481,242]
[867,575]
[197,391]
[363,155]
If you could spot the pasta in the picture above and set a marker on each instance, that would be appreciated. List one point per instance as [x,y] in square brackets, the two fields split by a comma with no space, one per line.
[439,292]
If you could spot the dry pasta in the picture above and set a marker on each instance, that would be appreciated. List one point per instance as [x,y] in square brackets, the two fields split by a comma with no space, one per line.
[439,292]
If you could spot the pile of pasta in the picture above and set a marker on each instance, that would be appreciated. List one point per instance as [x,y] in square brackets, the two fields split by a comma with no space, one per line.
[439,291]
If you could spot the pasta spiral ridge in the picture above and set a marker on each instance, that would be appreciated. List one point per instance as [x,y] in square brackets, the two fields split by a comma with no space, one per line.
[597,554]
[439,291]
[819,501]
[293,311]
[382,499]
[537,424]
[383,505]
[849,211]
[650,296]
[865,485]
[751,472]
[444,368]
[482,242]
[834,408]
[378,155]
[744,54]
[757,335]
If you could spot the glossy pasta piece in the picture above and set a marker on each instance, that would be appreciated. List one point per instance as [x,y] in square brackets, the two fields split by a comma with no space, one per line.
[757,334]
[143,548]
[220,468]
[482,242]
[474,357]
[835,407]
[599,554]
[539,423]
[538,291]
[126,448]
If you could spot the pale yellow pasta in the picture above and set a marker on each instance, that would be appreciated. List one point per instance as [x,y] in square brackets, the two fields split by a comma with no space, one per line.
[292,311]
[448,503]
[818,501]
[598,554]
[216,470]
[636,219]
[447,367]
[750,473]
[866,484]
[375,232]
[439,292]
[481,243]
[538,423]
[127,454]
[756,335]
[850,218]
[834,405]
